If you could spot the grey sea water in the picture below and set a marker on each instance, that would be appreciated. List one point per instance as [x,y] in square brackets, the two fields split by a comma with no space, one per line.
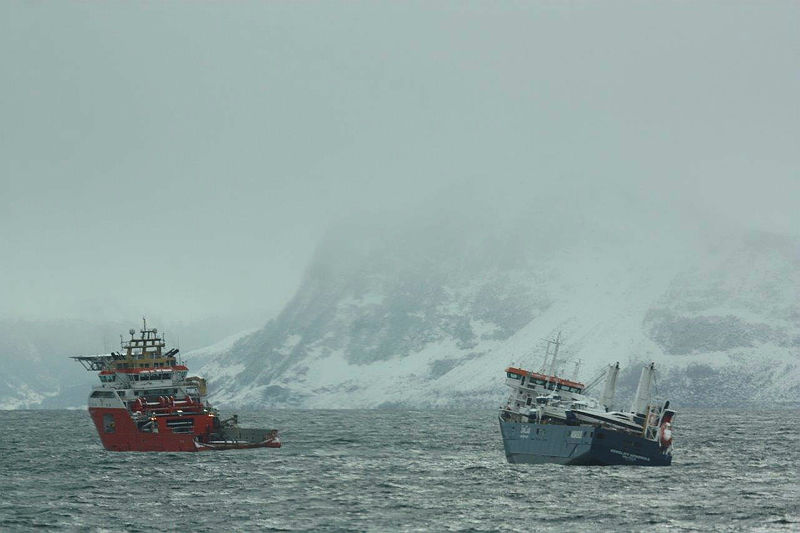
[396,470]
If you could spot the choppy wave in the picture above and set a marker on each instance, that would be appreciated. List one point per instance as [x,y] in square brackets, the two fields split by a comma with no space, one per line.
[396,470]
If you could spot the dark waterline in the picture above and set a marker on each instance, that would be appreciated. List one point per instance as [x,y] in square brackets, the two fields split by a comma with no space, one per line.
[390,470]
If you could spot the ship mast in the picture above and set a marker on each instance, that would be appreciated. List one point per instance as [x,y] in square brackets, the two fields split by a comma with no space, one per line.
[546,356]
[577,369]
[556,342]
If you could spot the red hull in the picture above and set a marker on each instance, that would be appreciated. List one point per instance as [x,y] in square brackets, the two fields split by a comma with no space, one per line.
[118,432]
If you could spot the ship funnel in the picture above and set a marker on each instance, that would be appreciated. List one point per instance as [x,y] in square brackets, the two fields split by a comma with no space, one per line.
[611,386]
[642,397]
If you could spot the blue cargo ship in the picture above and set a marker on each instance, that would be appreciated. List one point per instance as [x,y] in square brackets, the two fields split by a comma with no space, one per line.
[549,419]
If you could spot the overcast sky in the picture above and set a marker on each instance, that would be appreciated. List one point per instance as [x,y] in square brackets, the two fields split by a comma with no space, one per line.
[185,158]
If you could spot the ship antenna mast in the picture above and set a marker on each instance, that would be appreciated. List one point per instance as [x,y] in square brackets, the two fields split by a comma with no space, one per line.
[546,356]
[557,343]
[577,368]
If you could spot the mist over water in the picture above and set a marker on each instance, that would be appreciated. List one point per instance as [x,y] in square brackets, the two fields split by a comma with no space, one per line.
[201,176]
[397,470]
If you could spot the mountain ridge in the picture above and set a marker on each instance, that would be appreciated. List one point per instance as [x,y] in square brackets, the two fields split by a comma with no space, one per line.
[374,328]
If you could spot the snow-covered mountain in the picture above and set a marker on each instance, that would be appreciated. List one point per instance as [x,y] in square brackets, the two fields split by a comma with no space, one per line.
[427,310]
[430,313]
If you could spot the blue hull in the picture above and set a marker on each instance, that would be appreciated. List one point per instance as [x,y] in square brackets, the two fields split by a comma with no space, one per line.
[578,445]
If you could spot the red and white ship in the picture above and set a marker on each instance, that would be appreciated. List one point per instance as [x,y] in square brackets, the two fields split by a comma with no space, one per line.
[146,403]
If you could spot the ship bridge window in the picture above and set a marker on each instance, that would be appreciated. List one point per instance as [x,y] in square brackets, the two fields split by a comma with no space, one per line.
[102,394]
[511,375]
[161,392]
